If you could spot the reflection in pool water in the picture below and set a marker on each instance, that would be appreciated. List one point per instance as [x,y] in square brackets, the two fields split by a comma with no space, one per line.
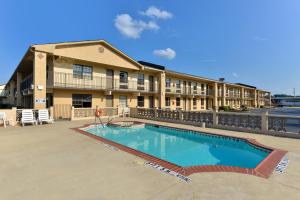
[185,148]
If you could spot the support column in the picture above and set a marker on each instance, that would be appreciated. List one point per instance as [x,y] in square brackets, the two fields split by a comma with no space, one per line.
[162,95]
[19,95]
[215,107]
[242,96]
[255,98]
[12,85]
[224,95]
[39,80]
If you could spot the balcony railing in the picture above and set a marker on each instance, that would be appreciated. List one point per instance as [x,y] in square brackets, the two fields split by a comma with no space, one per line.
[188,91]
[66,80]
[249,96]
[233,95]
[26,84]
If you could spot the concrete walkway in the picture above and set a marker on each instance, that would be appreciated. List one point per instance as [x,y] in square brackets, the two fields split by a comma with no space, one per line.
[55,162]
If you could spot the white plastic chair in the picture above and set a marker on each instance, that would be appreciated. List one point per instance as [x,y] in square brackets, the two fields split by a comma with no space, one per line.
[3,118]
[28,118]
[44,116]
[126,111]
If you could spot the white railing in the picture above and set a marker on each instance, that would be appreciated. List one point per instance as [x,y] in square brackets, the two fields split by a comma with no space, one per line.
[280,125]
[88,113]
[189,91]
[67,80]
[172,115]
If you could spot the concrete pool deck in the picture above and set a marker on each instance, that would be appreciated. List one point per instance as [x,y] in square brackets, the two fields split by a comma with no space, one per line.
[54,162]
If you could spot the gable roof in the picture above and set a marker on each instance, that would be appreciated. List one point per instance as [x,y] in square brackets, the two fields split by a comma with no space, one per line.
[51,47]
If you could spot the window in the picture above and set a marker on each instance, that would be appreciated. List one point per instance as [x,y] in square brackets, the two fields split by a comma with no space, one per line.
[195,86]
[123,101]
[82,72]
[178,84]
[177,101]
[194,102]
[167,101]
[141,79]
[82,100]
[202,102]
[168,82]
[123,77]
[140,100]
[202,87]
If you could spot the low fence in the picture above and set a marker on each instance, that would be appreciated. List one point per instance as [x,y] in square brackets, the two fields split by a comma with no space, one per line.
[89,113]
[61,112]
[280,125]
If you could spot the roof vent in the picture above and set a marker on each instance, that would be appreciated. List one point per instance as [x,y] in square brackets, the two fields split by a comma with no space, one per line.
[222,79]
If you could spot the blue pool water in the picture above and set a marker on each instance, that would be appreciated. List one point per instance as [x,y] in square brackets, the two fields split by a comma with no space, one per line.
[185,148]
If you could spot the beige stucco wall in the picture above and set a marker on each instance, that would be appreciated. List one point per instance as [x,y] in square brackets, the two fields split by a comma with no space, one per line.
[39,79]
[63,97]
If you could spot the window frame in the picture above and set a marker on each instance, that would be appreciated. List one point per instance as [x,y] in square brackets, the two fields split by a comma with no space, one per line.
[169,101]
[81,99]
[141,101]
[82,72]
[168,82]
[125,78]
[194,102]
[141,81]
[178,83]
[178,102]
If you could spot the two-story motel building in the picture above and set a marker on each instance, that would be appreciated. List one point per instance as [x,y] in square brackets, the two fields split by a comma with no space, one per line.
[94,73]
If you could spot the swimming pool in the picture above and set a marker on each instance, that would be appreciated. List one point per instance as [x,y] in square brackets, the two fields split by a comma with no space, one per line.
[185,148]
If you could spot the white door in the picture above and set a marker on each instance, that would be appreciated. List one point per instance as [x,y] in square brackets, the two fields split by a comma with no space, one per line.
[123,101]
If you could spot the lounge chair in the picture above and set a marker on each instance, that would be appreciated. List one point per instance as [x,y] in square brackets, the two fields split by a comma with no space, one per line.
[126,112]
[44,116]
[28,118]
[3,118]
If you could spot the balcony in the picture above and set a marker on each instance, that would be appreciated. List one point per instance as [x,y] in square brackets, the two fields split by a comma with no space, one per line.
[26,86]
[188,91]
[68,81]
[264,98]
[233,95]
[249,96]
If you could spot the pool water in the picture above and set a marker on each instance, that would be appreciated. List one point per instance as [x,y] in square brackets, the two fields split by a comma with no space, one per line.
[185,148]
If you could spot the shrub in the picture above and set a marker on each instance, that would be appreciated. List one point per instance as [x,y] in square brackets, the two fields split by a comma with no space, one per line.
[244,108]
[225,108]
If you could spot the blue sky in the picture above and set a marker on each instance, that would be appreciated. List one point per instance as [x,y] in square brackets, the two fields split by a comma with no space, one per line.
[256,42]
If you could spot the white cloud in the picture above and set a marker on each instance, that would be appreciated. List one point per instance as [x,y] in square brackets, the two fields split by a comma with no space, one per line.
[154,12]
[133,28]
[235,75]
[167,53]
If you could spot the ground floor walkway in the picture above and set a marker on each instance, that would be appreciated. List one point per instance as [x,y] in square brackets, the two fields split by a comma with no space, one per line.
[54,162]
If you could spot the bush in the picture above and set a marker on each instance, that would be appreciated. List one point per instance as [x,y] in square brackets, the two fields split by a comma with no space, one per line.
[225,108]
[244,108]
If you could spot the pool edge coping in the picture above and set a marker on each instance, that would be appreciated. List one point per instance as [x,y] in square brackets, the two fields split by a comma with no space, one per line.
[264,169]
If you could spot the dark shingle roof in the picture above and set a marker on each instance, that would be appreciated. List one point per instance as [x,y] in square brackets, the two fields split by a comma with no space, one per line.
[242,84]
[155,66]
